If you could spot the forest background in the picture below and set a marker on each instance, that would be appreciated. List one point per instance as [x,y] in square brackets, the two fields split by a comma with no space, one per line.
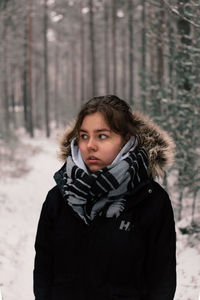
[57,54]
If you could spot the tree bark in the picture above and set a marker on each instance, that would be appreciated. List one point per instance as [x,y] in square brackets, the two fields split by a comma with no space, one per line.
[25,79]
[114,49]
[38,119]
[144,44]
[92,49]
[152,56]
[160,45]
[74,72]
[184,32]
[6,130]
[194,204]
[56,85]
[46,75]
[106,49]
[13,96]
[131,49]
[171,54]
[184,85]
[124,63]
[30,29]
[82,56]
[180,205]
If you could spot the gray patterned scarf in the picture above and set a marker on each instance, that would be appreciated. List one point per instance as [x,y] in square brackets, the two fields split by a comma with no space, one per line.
[103,191]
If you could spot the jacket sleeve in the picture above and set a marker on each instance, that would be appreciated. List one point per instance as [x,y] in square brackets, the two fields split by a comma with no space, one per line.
[160,273]
[43,267]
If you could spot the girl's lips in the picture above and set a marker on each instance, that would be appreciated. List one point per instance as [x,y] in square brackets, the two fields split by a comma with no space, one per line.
[92,159]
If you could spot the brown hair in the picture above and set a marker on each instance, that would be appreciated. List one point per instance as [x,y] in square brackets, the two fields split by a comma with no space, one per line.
[116,112]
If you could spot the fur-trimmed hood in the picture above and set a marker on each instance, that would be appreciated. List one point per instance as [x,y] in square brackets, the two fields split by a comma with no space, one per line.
[156,141]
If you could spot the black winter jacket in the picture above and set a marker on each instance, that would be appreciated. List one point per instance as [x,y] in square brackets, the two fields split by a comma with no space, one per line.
[131,257]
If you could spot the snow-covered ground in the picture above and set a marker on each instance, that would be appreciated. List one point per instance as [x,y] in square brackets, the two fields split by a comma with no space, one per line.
[21,198]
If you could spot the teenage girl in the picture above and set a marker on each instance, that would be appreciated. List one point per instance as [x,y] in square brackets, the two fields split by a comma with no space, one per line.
[106,230]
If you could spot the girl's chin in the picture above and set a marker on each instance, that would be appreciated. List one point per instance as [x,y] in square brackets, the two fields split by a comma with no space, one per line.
[94,167]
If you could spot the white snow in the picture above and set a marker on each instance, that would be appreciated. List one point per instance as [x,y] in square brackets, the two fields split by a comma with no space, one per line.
[21,199]
[188,268]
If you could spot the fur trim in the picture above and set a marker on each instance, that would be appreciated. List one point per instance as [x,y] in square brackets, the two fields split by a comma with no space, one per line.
[157,142]
[159,145]
[62,141]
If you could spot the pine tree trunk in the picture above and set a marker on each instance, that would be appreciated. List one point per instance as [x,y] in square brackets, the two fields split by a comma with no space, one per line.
[46,76]
[184,31]
[82,56]
[74,73]
[171,54]
[160,59]
[67,81]
[29,88]
[92,49]
[184,85]
[194,204]
[131,49]
[13,96]
[180,205]
[152,56]
[160,51]
[143,85]
[38,123]
[114,49]
[56,85]
[25,77]
[6,131]
[124,63]
[106,49]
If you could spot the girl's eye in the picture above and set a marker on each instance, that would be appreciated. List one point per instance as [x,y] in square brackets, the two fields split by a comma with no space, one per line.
[83,136]
[102,136]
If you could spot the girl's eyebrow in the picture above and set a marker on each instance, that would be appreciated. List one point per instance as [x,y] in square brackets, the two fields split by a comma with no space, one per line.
[97,130]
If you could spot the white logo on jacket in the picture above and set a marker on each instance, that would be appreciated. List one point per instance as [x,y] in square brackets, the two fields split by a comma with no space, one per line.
[125,225]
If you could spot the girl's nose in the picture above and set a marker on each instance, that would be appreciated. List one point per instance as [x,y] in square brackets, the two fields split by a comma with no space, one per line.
[91,144]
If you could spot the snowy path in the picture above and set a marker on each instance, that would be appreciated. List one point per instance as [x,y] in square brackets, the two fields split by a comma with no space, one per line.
[21,200]
[188,270]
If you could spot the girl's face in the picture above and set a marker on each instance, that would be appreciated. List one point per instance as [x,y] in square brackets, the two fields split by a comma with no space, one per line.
[98,144]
